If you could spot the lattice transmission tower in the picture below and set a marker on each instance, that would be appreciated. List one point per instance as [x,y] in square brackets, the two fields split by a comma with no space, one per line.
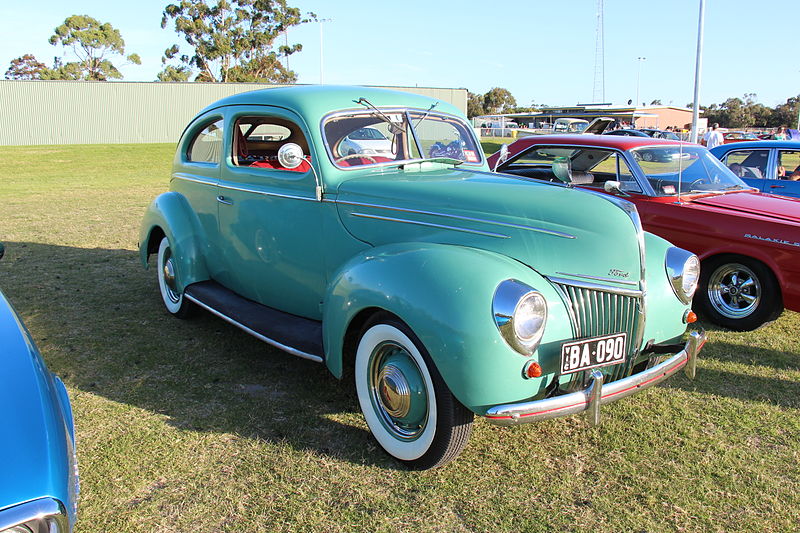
[599,93]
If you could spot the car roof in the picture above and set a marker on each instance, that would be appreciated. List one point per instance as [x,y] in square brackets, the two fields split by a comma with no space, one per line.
[620,142]
[315,101]
[744,145]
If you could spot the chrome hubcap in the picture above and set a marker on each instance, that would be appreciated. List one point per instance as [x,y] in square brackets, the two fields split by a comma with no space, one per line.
[168,275]
[395,394]
[734,291]
[397,391]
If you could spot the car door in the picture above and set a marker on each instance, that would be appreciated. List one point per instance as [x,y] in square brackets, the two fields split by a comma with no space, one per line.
[269,216]
[789,183]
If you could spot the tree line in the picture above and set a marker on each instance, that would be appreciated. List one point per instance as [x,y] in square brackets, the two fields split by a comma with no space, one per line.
[229,40]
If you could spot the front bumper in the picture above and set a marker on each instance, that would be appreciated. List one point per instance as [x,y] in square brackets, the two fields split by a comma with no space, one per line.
[596,394]
[45,514]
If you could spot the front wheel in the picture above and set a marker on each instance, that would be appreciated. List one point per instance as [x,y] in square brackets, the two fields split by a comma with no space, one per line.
[172,297]
[738,293]
[408,407]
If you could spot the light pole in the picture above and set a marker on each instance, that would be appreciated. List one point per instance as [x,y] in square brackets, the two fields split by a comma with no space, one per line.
[697,68]
[321,59]
[638,75]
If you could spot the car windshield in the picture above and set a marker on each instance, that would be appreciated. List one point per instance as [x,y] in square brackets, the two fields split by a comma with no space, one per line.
[686,169]
[402,135]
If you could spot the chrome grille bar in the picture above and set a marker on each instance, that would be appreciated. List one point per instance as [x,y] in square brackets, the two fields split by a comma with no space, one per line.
[602,311]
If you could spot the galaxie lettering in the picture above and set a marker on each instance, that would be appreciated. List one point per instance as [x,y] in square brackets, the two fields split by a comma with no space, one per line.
[770,239]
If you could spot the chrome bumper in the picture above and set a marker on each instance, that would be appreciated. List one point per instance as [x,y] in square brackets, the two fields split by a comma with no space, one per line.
[596,394]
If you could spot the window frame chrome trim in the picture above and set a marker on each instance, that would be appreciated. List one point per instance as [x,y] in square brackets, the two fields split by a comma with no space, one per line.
[388,110]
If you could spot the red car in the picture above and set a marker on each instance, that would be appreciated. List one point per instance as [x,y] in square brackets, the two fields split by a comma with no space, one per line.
[738,136]
[749,242]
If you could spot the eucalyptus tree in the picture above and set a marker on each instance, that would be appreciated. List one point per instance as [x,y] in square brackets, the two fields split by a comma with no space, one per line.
[92,43]
[231,40]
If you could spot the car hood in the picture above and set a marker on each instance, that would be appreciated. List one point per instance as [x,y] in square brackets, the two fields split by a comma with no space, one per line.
[34,447]
[561,232]
[779,207]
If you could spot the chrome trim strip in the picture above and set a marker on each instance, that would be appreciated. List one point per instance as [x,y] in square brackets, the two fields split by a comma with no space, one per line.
[201,181]
[265,193]
[596,286]
[598,278]
[255,334]
[456,217]
[569,404]
[35,510]
[431,225]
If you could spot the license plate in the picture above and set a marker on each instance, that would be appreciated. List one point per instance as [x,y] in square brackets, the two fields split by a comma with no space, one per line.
[592,353]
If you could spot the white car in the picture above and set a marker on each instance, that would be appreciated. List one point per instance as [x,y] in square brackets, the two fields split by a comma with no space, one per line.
[366,141]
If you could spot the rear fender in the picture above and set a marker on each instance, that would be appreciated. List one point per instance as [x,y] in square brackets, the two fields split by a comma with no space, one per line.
[170,215]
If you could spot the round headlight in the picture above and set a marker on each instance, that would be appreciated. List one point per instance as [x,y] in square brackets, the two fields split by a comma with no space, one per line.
[520,313]
[691,275]
[529,317]
[683,271]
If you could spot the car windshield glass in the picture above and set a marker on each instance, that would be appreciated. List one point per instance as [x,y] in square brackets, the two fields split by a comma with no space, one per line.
[382,136]
[682,168]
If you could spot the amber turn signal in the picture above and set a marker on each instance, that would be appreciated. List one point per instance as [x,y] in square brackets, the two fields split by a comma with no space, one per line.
[690,317]
[532,370]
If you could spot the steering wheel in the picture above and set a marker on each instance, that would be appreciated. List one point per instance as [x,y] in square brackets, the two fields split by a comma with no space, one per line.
[355,156]
[698,181]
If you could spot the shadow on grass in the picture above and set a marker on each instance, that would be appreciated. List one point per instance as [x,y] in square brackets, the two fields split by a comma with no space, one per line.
[98,319]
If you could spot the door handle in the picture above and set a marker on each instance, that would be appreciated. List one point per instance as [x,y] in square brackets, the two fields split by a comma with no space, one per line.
[777,186]
[221,199]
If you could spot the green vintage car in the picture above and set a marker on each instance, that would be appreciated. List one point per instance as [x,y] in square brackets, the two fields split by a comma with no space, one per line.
[442,289]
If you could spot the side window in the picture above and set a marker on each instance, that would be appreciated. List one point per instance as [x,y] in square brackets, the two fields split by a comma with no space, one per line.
[206,145]
[748,163]
[789,161]
[257,139]
[614,168]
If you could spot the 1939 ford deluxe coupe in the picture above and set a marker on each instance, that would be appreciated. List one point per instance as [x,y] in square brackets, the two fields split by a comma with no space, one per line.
[448,290]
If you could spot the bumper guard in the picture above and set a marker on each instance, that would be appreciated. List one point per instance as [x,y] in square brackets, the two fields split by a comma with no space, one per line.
[596,394]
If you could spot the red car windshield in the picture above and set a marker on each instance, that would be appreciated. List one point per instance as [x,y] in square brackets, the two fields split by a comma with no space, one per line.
[684,169]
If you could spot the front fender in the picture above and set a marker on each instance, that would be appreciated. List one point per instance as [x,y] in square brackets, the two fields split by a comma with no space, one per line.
[664,312]
[170,214]
[444,293]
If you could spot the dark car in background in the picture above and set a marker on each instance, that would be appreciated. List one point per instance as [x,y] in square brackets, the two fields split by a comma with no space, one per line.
[769,166]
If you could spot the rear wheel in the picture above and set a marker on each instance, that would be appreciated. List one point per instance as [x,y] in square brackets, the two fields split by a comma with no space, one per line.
[408,407]
[738,293]
[173,298]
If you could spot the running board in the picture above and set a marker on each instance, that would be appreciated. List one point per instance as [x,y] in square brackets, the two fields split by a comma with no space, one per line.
[293,334]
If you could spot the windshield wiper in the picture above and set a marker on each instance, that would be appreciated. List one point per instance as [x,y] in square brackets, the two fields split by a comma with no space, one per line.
[394,127]
[428,112]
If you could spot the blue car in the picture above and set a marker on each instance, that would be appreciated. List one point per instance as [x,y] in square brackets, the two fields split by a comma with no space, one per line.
[39,473]
[769,166]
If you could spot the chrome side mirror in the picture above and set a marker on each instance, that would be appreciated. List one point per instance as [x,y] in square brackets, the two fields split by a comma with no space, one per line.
[290,155]
[614,187]
[503,157]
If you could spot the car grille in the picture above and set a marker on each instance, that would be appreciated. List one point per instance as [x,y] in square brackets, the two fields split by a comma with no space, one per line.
[603,312]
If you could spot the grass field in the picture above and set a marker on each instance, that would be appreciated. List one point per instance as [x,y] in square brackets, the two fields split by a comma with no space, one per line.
[195,426]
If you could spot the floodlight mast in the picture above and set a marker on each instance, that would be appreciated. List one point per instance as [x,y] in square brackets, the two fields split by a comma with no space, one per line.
[698,68]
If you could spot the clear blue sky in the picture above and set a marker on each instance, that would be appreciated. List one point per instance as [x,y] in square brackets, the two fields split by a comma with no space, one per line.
[542,51]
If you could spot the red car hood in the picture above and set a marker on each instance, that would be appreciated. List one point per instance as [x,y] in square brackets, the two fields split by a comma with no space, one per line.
[781,207]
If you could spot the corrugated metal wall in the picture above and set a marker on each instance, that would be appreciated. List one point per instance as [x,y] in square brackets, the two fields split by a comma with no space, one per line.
[79,112]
